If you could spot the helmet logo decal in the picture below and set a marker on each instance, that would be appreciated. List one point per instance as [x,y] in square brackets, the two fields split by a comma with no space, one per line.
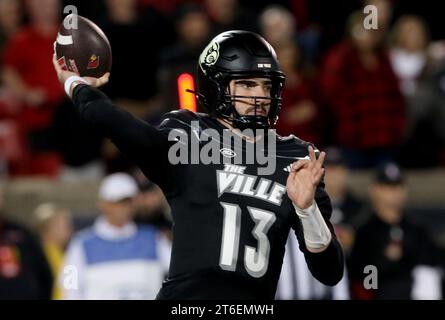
[209,55]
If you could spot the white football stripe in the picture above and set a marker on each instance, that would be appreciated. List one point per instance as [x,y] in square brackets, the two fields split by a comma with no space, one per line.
[64,40]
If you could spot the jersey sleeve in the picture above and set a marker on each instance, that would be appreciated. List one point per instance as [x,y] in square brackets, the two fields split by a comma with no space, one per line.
[144,144]
[179,120]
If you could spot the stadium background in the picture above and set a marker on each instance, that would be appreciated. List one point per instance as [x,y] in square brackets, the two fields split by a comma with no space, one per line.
[48,155]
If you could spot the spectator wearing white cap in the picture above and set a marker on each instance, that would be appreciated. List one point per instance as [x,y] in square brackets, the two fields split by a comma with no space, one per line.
[115,258]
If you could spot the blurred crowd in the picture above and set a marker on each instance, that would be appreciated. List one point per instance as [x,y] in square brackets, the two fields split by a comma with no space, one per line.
[389,253]
[120,253]
[123,251]
[373,99]
[377,94]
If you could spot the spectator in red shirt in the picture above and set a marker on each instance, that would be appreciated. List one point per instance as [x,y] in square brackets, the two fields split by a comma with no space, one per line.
[28,73]
[11,18]
[299,113]
[359,85]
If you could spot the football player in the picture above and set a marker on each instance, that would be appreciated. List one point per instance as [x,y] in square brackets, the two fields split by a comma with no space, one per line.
[230,223]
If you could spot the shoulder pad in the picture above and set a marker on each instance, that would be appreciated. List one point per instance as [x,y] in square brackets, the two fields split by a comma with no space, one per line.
[179,119]
[293,145]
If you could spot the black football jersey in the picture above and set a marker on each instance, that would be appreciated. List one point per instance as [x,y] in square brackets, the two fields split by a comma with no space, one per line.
[230,223]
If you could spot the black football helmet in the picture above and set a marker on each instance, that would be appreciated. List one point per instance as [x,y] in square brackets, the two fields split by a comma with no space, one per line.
[236,55]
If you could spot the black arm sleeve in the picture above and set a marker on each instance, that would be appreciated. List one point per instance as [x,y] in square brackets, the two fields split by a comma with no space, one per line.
[326,266]
[144,144]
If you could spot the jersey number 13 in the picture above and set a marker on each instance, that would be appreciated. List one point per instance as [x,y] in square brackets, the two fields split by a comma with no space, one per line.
[256,260]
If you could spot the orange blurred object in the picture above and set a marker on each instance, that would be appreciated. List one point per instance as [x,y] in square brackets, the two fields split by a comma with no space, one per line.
[186,99]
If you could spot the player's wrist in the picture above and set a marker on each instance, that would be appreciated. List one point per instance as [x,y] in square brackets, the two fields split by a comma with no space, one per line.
[304,210]
[315,230]
[71,83]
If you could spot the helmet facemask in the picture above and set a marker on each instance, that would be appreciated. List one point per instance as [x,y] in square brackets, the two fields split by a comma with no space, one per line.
[226,103]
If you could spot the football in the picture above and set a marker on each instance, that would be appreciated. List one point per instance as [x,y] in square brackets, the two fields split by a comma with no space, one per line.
[82,47]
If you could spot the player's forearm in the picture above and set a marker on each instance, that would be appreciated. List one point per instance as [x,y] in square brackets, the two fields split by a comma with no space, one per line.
[327,266]
[324,254]
[317,235]
[95,107]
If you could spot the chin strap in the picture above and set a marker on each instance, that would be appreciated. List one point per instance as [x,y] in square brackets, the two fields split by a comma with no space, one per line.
[246,122]
[251,122]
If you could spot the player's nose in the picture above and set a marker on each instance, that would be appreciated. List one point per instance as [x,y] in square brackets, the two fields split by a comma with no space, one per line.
[261,91]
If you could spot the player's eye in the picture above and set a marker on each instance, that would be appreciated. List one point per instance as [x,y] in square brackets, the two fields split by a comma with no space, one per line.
[247,84]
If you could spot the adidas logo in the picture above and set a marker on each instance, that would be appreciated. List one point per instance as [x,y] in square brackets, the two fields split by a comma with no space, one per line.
[289,167]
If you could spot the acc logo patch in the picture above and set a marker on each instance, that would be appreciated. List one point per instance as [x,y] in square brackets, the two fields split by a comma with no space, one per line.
[94,62]
[228,153]
[209,55]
